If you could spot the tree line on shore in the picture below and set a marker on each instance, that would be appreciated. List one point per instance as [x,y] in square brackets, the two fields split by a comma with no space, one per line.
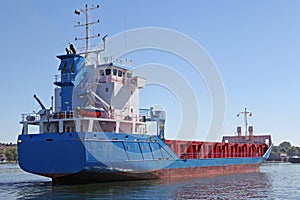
[283,151]
[8,152]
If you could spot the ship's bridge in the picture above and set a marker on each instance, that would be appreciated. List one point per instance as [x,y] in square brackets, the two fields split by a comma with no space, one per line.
[92,98]
[109,73]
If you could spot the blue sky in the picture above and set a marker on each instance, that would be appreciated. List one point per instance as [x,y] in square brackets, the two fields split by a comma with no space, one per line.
[254,44]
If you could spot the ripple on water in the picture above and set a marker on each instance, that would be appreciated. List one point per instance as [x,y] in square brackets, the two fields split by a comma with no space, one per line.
[276,181]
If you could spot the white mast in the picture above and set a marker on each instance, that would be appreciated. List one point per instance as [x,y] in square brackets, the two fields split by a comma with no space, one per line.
[87,41]
[87,26]
[245,113]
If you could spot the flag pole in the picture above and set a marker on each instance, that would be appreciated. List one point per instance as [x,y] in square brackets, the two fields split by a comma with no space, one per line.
[246,122]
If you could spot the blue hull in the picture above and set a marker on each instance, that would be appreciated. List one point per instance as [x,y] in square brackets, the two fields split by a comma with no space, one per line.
[102,156]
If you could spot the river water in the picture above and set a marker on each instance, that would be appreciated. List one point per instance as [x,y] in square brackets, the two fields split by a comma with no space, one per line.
[275,181]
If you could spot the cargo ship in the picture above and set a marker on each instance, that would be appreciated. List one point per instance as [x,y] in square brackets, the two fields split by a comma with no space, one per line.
[95,131]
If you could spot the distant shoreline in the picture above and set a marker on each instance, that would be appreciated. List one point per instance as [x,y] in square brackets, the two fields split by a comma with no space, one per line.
[273,161]
[11,162]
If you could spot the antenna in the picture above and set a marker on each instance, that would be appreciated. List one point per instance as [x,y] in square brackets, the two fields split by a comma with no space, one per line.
[125,26]
[51,104]
[245,113]
[88,23]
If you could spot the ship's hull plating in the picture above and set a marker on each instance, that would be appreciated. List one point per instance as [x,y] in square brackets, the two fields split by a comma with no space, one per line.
[84,176]
[96,157]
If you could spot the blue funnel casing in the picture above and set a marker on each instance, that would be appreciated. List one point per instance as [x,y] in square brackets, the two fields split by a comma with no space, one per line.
[69,66]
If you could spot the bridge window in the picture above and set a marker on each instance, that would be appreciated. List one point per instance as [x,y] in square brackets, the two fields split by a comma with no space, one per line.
[108,72]
[129,75]
[115,72]
[120,73]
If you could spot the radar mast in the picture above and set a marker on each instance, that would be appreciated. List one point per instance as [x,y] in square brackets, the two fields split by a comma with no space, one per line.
[88,50]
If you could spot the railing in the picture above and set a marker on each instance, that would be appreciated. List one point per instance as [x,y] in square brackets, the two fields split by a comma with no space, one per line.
[30,117]
[57,78]
[76,114]
[113,78]
[220,155]
[63,115]
[64,77]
